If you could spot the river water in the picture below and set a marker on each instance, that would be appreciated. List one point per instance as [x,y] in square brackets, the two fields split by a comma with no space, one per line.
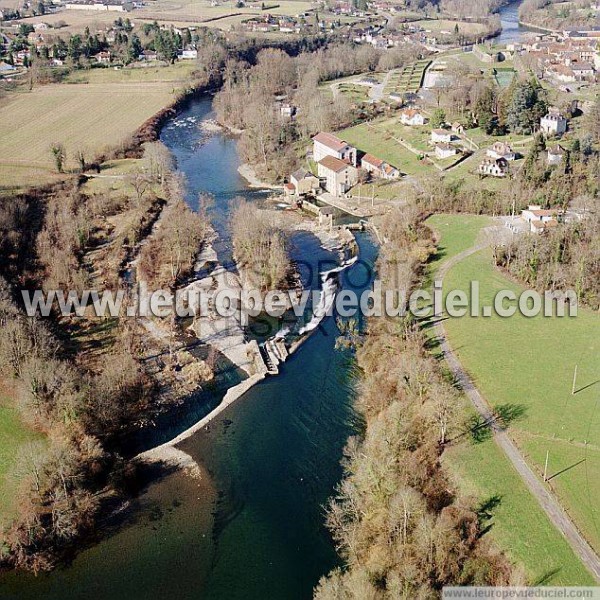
[252,527]
[511,30]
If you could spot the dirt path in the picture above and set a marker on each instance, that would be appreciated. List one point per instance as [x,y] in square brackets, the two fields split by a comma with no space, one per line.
[540,492]
[376,92]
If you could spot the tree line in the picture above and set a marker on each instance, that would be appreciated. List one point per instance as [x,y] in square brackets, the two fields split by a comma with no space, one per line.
[85,401]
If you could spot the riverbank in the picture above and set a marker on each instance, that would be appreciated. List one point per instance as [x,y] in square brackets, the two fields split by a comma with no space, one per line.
[249,174]
[273,454]
[538,27]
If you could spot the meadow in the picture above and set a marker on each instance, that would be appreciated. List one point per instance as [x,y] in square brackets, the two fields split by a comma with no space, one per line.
[438,25]
[524,368]
[13,435]
[383,137]
[99,112]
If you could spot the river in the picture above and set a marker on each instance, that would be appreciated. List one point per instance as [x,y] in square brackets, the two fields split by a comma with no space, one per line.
[253,526]
[512,31]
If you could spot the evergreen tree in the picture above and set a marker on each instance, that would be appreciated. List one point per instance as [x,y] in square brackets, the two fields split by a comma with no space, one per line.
[135,48]
[526,107]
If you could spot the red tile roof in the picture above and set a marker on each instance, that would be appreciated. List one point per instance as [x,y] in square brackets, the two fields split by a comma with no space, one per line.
[334,164]
[372,160]
[330,140]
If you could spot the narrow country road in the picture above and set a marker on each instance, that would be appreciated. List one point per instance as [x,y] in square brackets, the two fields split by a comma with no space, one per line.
[376,92]
[546,500]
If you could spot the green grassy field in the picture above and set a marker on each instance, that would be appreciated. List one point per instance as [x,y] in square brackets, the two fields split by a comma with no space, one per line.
[437,25]
[383,137]
[354,92]
[372,138]
[13,434]
[525,366]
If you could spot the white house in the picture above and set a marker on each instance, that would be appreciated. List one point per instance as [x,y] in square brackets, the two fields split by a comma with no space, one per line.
[501,150]
[441,136]
[339,175]
[555,155]
[582,71]
[327,144]
[534,212]
[287,111]
[103,57]
[562,73]
[411,117]
[541,226]
[554,123]
[541,219]
[493,167]
[378,167]
[443,151]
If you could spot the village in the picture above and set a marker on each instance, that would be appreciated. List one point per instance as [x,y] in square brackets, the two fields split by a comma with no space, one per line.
[341,167]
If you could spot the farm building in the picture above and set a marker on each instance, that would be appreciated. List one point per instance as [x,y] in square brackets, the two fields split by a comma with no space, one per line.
[555,154]
[411,117]
[304,182]
[541,220]
[501,150]
[443,151]
[441,136]
[378,167]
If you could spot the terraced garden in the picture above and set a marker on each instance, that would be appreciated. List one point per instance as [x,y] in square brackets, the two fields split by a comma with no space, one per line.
[408,79]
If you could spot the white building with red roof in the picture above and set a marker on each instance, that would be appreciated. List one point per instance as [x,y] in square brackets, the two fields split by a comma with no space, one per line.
[327,144]
[411,117]
[378,167]
[540,219]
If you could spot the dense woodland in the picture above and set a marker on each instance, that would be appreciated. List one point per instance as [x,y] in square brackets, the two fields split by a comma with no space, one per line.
[556,14]
[567,258]
[260,247]
[63,479]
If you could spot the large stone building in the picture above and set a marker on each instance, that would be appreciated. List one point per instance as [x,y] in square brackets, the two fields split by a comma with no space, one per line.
[554,123]
[327,144]
[339,175]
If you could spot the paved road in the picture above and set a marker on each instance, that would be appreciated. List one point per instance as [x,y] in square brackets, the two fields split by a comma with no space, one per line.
[540,492]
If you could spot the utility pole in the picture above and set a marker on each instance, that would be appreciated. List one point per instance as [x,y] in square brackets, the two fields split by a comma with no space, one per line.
[546,466]
[373,196]
[574,381]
